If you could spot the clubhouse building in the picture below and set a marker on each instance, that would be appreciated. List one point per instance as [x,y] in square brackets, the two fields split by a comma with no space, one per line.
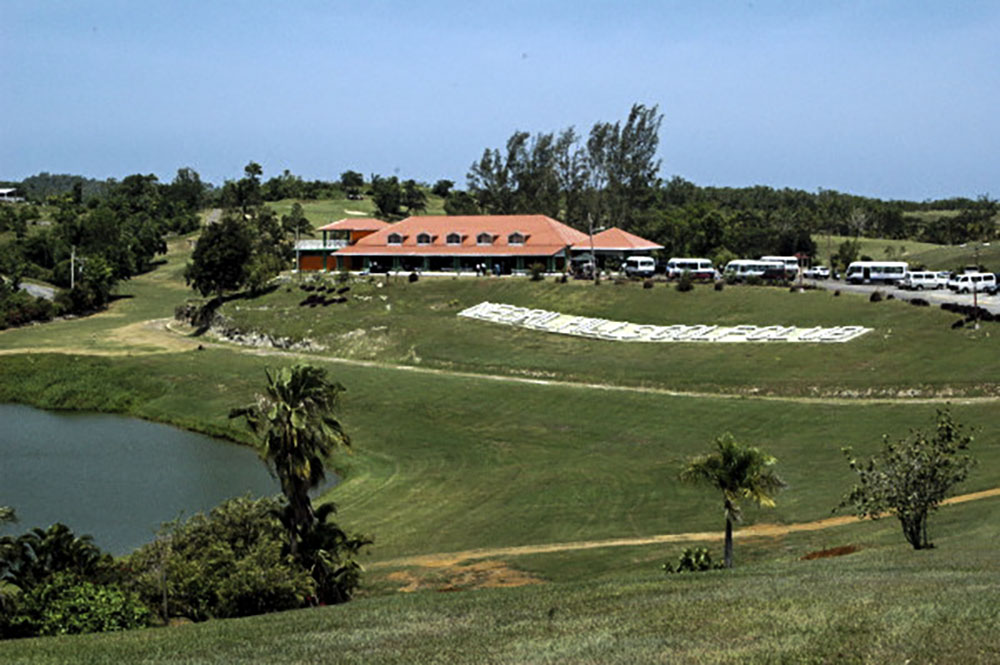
[499,244]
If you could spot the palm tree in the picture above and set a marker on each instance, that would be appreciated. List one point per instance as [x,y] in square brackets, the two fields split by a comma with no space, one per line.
[741,472]
[294,422]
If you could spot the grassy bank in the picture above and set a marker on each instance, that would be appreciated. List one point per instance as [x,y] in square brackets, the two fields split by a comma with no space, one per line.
[878,605]
[447,461]
[399,322]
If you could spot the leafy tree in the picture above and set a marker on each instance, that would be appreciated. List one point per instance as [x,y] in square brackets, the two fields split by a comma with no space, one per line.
[460,202]
[442,188]
[296,221]
[413,197]
[387,196]
[219,261]
[740,472]
[351,179]
[847,253]
[294,423]
[910,478]
[187,191]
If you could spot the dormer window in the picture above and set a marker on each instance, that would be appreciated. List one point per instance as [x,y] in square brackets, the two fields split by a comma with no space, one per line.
[454,238]
[423,238]
[394,239]
[515,238]
[484,239]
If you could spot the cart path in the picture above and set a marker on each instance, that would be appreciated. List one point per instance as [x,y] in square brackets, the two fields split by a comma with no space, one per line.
[157,336]
[447,559]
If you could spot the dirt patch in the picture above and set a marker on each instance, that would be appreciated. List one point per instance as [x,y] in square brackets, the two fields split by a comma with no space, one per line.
[153,334]
[463,577]
[831,552]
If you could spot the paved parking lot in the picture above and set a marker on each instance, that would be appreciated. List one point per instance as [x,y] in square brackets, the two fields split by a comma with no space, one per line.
[935,297]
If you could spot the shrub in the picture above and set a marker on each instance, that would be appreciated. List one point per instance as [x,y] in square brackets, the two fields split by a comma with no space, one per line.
[692,560]
[684,282]
[647,284]
[67,605]
[754,280]
[227,563]
[876,296]
[537,272]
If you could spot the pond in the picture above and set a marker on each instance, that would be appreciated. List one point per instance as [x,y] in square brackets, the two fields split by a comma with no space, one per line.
[115,478]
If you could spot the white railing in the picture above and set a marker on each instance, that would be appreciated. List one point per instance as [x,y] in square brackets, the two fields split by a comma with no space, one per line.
[319,244]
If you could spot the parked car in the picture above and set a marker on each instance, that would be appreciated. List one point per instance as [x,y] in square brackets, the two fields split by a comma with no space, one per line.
[817,272]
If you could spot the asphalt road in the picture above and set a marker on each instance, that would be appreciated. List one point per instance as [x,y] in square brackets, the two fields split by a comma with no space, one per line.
[38,291]
[935,297]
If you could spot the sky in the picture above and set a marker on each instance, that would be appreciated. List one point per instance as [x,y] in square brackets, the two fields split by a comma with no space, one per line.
[893,99]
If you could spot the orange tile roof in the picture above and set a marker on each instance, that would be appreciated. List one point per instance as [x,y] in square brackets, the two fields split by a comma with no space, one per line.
[616,239]
[543,236]
[355,224]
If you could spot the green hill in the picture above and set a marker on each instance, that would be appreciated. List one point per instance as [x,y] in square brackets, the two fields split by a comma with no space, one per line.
[474,436]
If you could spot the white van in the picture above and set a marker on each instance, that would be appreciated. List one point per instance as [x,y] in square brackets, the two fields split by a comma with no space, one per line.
[888,272]
[920,280]
[743,268]
[698,268]
[974,282]
[640,266]
[791,263]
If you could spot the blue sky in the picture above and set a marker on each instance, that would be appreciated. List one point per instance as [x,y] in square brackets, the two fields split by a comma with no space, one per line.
[889,99]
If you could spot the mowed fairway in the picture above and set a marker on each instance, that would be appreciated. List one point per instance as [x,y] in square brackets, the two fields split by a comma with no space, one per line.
[456,459]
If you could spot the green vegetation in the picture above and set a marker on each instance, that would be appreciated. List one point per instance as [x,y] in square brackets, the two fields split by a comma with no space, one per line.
[390,320]
[911,477]
[294,424]
[449,459]
[740,472]
[55,583]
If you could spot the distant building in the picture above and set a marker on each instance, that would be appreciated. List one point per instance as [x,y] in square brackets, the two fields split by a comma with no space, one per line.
[316,254]
[9,195]
[500,244]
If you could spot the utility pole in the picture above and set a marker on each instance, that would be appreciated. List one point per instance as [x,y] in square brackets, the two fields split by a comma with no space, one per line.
[593,255]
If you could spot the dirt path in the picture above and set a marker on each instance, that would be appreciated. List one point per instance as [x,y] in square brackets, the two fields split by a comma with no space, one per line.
[449,559]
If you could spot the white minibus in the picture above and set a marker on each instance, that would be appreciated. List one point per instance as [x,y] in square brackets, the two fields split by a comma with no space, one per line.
[640,266]
[743,268]
[698,268]
[791,263]
[889,272]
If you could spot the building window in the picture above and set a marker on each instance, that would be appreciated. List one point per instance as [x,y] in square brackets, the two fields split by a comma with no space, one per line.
[484,239]
[394,239]
[515,238]
[423,238]
[454,239]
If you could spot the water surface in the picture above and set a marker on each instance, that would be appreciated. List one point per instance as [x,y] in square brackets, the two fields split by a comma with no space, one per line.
[113,477]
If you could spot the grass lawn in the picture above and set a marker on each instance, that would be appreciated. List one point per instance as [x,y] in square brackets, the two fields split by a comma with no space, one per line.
[882,604]
[322,212]
[447,461]
[417,324]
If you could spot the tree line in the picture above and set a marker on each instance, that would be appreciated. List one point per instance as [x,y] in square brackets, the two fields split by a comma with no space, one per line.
[89,244]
